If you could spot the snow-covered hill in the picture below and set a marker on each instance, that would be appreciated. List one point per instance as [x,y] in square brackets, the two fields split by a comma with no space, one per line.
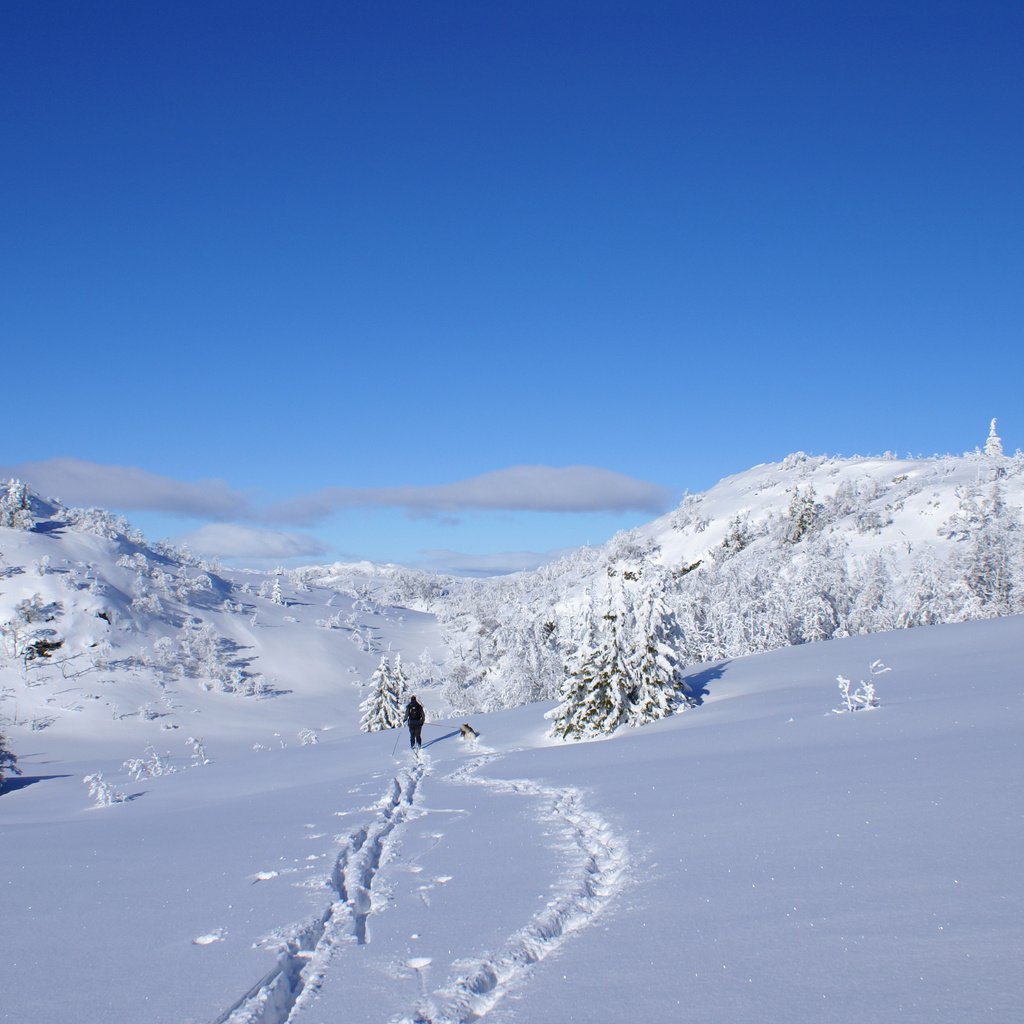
[807,549]
[146,646]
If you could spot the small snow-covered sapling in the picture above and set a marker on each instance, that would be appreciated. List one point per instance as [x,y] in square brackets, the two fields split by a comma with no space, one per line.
[864,696]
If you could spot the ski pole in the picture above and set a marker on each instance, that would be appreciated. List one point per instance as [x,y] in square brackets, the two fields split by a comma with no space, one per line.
[397,738]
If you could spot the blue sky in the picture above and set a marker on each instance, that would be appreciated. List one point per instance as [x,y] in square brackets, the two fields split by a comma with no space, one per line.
[455,284]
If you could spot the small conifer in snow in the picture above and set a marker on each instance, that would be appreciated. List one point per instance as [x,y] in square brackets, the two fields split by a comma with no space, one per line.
[382,708]
[15,512]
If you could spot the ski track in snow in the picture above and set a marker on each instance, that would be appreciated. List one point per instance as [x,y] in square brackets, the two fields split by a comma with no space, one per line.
[308,950]
[599,873]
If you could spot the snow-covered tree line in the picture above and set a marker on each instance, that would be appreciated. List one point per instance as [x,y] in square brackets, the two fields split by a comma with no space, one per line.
[795,575]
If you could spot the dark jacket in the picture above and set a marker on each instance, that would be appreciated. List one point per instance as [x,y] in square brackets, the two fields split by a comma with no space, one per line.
[414,713]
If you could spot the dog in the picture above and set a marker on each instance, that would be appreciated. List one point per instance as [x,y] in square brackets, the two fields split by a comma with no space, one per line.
[468,732]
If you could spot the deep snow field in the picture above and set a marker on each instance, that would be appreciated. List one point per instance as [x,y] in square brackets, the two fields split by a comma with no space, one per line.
[759,858]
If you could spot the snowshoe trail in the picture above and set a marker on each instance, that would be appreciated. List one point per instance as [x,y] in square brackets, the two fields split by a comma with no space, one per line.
[308,950]
[598,874]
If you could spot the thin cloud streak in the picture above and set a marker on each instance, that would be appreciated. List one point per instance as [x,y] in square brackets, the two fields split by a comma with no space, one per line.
[518,488]
[78,482]
[568,489]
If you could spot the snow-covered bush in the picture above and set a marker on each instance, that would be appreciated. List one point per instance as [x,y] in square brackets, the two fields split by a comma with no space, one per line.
[203,654]
[864,696]
[99,523]
[332,622]
[199,757]
[150,766]
[101,791]
[26,634]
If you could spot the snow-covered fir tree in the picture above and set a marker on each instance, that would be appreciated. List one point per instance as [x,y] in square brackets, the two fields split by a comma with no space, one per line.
[991,558]
[658,688]
[400,677]
[383,706]
[15,509]
[595,695]
[994,444]
[804,514]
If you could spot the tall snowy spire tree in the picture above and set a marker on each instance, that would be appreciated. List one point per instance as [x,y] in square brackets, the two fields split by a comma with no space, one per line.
[382,708]
[994,444]
[658,689]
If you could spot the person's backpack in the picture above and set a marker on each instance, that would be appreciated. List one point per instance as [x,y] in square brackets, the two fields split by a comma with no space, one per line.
[414,712]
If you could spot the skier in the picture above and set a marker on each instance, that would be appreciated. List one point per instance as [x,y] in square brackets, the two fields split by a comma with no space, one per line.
[415,716]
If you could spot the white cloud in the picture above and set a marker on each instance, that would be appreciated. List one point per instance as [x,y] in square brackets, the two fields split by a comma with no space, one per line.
[518,488]
[569,489]
[230,540]
[77,482]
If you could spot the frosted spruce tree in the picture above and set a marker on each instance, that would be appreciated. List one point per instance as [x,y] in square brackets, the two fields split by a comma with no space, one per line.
[994,444]
[658,688]
[15,512]
[382,708]
[803,516]
[400,678]
[992,559]
[594,698]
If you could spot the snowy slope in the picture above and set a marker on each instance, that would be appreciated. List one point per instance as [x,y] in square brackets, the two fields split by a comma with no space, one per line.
[878,502]
[155,649]
[759,858]
[806,549]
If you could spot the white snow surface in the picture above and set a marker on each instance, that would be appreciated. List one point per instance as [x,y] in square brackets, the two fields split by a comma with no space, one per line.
[758,858]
